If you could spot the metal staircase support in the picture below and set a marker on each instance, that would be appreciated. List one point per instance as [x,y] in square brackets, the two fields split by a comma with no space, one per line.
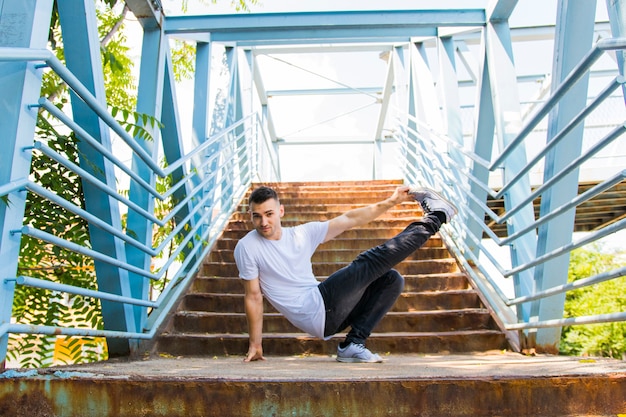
[20,83]
[149,102]
[574,36]
[82,55]
[508,122]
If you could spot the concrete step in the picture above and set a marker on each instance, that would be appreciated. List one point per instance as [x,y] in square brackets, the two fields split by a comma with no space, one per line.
[408,301]
[336,254]
[192,344]
[412,283]
[416,321]
[485,384]
[313,212]
[239,230]
[362,243]
[424,266]
[394,225]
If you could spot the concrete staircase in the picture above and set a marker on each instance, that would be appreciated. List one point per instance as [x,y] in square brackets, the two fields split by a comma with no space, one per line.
[441,341]
[437,312]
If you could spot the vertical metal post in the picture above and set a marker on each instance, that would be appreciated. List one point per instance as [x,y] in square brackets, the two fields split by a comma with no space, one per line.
[426,100]
[617,19]
[149,101]
[82,56]
[448,81]
[401,82]
[574,36]
[23,24]
[483,145]
[506,103]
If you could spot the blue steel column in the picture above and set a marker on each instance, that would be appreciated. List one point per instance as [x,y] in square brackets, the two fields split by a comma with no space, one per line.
[426,99]
[574,36]
[451,102]
[401,82]
[82,55]
[23,24]
[149,101]
[235,114]
[200,119]
[424,95]
[508,123]
[617,19]
[483,146]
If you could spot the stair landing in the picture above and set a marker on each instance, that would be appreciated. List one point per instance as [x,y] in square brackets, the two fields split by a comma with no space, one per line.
[495,383]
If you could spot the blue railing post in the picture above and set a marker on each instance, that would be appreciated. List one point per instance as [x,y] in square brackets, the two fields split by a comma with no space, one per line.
[451,101]
[572,42]
[617,18]
[20,85]
[508,122]
[483,147]
[149,101]
[82,55]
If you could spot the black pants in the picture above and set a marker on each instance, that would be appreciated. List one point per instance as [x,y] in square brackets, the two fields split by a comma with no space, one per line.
[360,294]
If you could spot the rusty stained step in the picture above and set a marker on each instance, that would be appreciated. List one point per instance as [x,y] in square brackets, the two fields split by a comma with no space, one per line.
[392,226]
[416,321]
[408,301]
[412,283]
[404,386]
[297,217]
[335,254]
[193,344]
[362,243]
[237,230]
[425,266]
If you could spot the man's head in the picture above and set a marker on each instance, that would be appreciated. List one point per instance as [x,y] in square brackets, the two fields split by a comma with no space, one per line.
[265,212]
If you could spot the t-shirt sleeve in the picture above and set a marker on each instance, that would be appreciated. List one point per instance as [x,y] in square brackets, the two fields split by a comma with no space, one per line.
[317,232]
[247,266]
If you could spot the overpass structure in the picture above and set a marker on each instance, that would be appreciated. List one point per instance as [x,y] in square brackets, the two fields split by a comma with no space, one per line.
[532,151]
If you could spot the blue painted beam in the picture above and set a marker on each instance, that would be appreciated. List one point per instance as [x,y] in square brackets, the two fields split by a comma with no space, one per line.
[484,130]
[24,24]
[368,25]
[82,54]
[330,20]
[574,37]
[507,117]
[149,100]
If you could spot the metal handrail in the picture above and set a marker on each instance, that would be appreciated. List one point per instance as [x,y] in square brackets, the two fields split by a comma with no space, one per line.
[195,225]
[419,143]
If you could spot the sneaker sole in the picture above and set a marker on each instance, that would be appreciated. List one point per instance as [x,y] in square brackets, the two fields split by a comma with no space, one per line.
[439,196]
[456,211]
[357,360]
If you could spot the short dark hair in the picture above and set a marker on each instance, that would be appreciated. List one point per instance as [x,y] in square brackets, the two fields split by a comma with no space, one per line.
[261,195]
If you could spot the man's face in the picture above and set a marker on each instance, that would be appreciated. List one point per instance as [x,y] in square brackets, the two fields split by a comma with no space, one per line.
[266,218]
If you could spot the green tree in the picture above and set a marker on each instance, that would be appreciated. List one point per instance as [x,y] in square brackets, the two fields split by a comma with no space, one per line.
[607,339]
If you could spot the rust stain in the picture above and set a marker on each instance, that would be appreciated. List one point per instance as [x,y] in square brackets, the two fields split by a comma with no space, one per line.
[37,397]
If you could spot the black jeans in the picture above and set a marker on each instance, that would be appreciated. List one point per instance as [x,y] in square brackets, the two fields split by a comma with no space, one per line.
[360,294]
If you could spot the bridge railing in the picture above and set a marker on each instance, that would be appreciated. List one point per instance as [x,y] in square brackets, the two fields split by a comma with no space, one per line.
[196,204]
[443,164]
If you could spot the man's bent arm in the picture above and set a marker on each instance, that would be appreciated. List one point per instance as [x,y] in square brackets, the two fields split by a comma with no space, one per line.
[363,215]
[253,303]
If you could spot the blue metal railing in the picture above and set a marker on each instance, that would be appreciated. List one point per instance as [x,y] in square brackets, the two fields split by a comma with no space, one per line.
[440,170]
[210,198]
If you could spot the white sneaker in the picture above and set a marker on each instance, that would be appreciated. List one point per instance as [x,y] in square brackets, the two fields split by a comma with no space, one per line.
[431,201]
[356,352]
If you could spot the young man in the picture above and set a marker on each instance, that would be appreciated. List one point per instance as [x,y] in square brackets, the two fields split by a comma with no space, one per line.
[275,262]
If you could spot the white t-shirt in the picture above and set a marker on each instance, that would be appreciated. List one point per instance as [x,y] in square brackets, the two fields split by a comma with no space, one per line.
[285,272]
